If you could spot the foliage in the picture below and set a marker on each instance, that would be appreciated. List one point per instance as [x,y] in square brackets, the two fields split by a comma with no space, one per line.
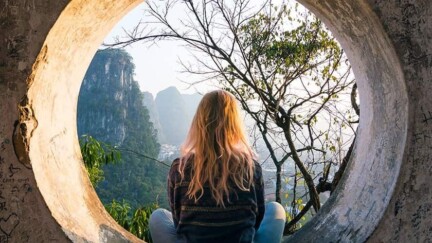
[135,221]
[95,154]
[292,78]
[124,182]
[110,109]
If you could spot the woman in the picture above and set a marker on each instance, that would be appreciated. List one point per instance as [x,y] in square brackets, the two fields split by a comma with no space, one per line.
[215,189]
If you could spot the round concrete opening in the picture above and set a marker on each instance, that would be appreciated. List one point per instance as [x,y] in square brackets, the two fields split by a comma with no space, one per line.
[350,215]
[53,93]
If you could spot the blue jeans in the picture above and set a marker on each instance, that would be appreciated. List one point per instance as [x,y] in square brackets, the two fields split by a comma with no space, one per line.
[270,231]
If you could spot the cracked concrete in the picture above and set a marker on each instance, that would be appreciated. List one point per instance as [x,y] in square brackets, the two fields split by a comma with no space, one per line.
[48,45]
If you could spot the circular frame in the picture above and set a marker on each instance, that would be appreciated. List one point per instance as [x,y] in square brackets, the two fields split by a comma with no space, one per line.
[351,214]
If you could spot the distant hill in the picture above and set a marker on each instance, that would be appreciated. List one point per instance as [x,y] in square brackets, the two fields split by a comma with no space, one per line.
[149,103]
[173,115]
[110,108]
[174,112]
[191,102]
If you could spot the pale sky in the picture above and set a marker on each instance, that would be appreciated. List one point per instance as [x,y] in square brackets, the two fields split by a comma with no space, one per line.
[157,66]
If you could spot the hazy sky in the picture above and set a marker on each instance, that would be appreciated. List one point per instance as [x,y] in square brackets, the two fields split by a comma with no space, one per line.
[157,66]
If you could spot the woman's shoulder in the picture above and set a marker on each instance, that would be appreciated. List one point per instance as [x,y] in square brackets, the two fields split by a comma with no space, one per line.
[174,174]
[257,165]
[178,169]
[258,170]
[176,162]
[175,165]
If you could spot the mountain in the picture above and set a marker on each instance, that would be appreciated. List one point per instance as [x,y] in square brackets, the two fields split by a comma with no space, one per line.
[174,116]
[149,103]
[104,95]
[110,108]
[191,102]
[171,114]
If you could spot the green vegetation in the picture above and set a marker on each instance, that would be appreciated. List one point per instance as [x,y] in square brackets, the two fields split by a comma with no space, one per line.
[289,75]
[136,220]
[112,119]
[110,109]
[292,79]
[95,154]
[136,179]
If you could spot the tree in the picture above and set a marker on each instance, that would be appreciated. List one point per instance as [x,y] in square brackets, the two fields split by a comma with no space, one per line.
[286,76]
[135,221]
[110,109]
[95,154]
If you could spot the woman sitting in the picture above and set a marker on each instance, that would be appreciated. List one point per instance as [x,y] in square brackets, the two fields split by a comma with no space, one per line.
[215,189]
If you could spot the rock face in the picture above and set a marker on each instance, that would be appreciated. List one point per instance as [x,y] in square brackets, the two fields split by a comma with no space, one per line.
[105,103]
[110,109]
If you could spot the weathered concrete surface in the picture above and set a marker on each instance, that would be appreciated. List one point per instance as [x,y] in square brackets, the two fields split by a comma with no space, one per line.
[46,46]
[357,206]
[24,216]
[45,195]
[408,217]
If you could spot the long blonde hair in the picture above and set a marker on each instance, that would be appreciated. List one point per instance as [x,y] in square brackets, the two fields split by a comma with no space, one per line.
[217,150]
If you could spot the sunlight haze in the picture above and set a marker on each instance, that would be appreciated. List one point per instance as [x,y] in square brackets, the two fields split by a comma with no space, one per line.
[157,65]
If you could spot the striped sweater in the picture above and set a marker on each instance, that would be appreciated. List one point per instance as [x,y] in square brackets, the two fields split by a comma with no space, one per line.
[204,221]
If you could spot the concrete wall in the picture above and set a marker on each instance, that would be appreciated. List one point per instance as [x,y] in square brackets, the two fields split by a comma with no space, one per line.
[47,45]
[23,211]
[46,49]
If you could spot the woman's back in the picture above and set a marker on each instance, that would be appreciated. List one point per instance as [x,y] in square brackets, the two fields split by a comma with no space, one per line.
[216,189]
[206,221]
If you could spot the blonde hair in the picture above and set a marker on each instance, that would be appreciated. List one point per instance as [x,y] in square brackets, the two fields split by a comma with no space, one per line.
[216,149]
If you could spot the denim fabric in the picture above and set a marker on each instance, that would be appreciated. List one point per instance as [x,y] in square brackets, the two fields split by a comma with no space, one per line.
[270,231]
[162,228]
[272,226]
